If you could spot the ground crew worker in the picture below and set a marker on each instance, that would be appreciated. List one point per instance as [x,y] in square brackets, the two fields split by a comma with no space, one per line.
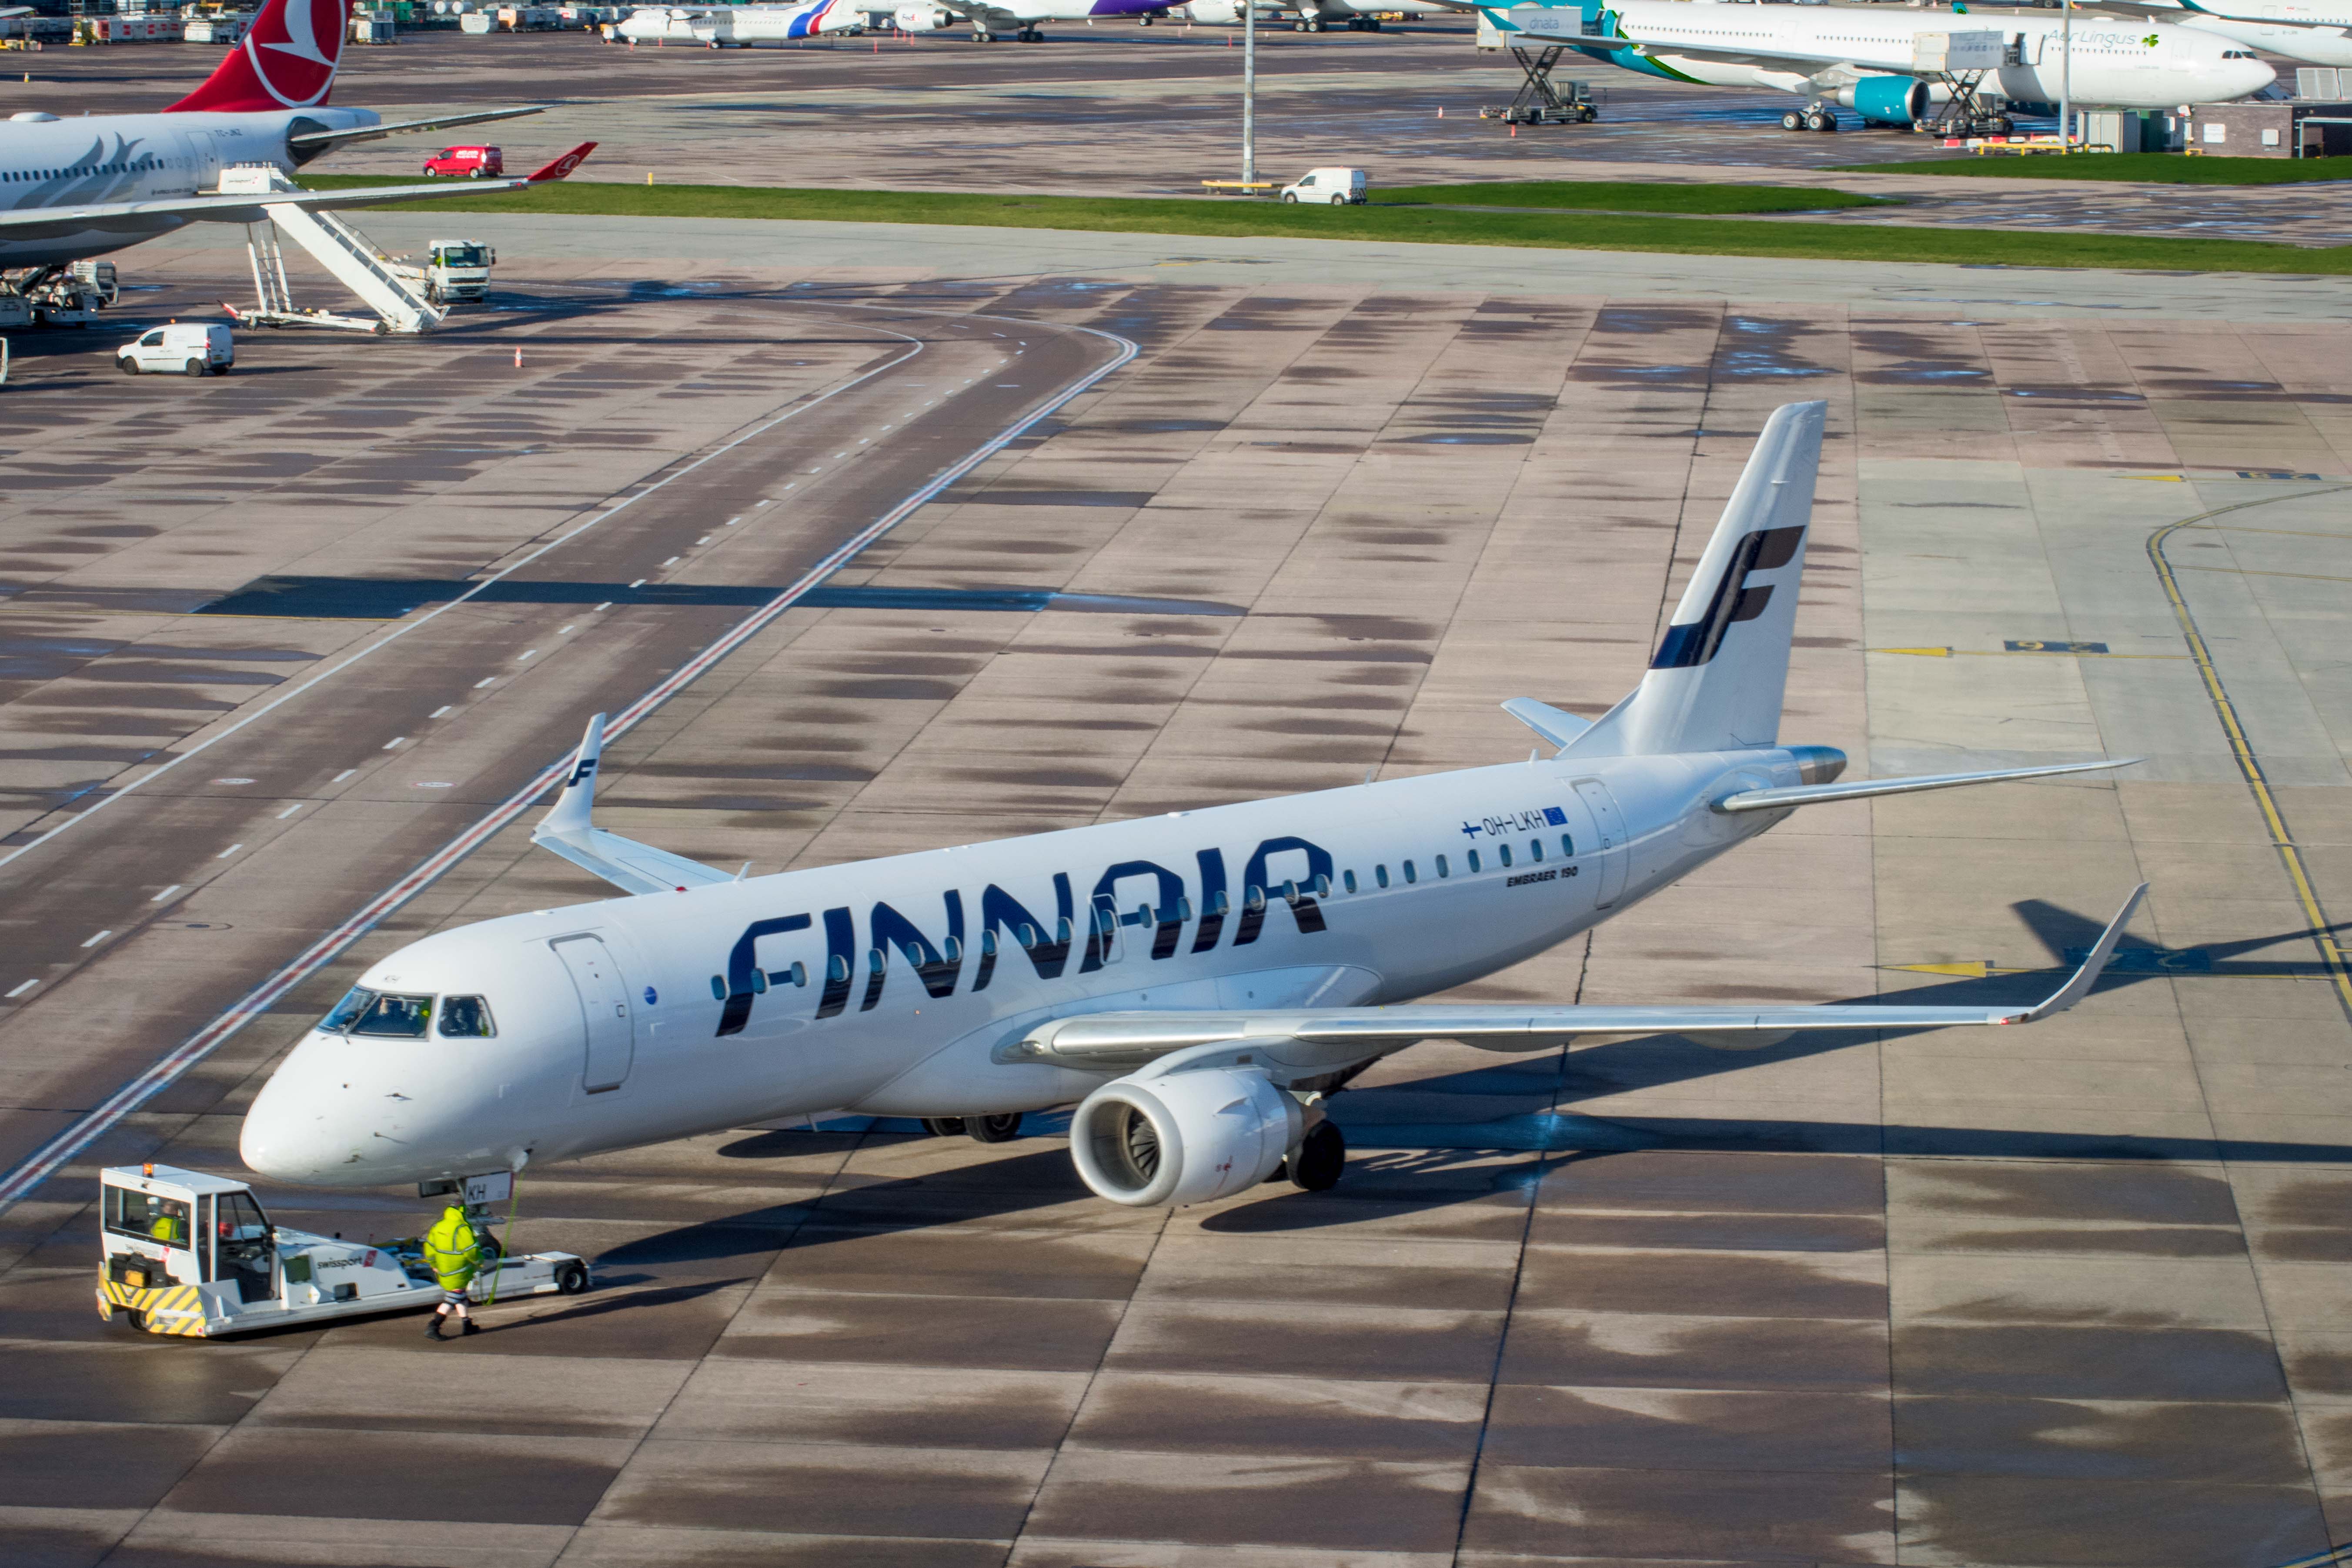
[453,1253]
[170,1228]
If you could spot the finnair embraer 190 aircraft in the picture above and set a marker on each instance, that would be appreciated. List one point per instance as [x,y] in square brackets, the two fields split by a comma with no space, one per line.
[75,188]
[1197,983]
[1864,58]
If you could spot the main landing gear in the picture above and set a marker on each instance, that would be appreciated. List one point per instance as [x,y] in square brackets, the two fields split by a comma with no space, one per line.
[1027,35]
[1315,1165]
[980,1129]
[1812,117]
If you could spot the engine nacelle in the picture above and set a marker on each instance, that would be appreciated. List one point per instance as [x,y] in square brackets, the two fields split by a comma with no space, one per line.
[1894,100]
[922,19]
[1159,1138]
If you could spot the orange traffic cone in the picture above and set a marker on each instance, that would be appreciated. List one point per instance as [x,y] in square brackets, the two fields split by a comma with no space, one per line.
[518,356]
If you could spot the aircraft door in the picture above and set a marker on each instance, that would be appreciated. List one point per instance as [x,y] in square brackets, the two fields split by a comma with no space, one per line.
[1608,841]
[603,1009]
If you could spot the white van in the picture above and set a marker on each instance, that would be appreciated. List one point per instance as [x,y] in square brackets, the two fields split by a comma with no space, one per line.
[1339,187]
[184,347]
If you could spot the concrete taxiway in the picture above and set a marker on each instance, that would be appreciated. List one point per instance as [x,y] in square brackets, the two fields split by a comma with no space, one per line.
[2065,1295]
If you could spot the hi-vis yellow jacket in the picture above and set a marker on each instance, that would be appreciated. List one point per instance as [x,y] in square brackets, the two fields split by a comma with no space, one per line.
[451,1250]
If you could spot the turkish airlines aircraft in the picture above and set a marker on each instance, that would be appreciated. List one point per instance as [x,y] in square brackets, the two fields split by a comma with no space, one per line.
[1863,56]
[1199,983]
[94,183]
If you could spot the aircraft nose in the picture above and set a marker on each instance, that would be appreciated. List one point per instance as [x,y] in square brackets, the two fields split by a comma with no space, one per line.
[302,1128]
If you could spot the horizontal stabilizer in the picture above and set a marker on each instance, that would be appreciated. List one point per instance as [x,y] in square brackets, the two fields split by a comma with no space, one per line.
[632,866]
[1553,727]
[1307,1041]
[1863,789]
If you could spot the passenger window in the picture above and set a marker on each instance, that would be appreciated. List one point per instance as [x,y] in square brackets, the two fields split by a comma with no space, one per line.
[1535,848]
[465,1018]
[1410,876]
[1380,875]
[1567,847]
[1348,880]
[395,1017]
[1502,852]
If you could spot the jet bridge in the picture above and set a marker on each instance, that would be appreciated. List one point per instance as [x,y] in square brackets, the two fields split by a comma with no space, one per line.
[342,250]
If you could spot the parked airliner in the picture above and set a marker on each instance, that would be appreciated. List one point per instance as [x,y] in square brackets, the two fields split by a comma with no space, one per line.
[1197,983]
[2316,32]
[991,20]
[95,184]
[1863,57]
[738,27]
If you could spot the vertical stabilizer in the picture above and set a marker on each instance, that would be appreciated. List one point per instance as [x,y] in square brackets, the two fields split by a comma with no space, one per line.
[1715,681]
[287,61]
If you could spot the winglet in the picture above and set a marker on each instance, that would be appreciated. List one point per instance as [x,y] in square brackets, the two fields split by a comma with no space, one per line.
[2075,989]
[569,812]
[562,167]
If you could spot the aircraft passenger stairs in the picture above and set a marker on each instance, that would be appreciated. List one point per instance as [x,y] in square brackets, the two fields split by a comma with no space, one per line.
[342,250]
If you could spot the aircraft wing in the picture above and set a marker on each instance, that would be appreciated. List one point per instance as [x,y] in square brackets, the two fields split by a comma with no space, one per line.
[1826,67]
[254,208]
[327,138]
[1305,1042]
[632,866]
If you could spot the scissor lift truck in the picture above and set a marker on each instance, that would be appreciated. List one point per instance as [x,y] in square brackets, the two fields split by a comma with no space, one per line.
[185,1253]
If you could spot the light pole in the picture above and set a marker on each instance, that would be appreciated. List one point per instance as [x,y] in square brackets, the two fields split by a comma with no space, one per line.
[1249,93]
[2066,73]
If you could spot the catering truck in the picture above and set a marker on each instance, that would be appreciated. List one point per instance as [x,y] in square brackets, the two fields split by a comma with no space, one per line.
[454,271]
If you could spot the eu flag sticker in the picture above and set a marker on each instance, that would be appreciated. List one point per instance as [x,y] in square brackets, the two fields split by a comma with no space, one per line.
[1555,817]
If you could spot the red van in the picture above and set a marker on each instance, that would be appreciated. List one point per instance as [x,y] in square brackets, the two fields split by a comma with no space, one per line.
[471,161]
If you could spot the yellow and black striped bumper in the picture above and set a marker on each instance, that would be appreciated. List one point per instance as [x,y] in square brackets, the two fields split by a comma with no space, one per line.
[163,1309]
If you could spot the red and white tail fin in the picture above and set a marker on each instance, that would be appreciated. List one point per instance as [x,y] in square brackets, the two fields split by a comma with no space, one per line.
[287,61]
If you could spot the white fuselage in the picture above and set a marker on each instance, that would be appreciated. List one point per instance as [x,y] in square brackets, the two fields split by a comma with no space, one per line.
[726,26]
[699,1025]
[91,159]
[2324,39]
[2118,64]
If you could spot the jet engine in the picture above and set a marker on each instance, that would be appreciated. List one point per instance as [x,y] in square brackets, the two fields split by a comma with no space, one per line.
[922,19]
[1895,100]
[1162,1139]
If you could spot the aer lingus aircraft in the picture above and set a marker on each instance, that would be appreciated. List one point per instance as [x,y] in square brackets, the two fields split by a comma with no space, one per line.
[1197,983]
[2317,32]
[1866,57]
[94,183]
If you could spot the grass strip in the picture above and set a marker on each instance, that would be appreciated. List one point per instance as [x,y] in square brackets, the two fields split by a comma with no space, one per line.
[1423,226]
[1628,196]
[2154,168]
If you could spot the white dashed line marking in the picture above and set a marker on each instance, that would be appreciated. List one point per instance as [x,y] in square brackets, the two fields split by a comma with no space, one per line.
[446,707]
[734,520]
[346,774]
[638,583]
[229,851]
[22,989]
[527,653]
[290,811]
[565,631]
[101,936]
[166,893]
[394,742]
[478,686]
[600,608]
[672,560]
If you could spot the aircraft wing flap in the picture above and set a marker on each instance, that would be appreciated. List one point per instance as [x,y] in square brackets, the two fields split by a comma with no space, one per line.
[1312,1039]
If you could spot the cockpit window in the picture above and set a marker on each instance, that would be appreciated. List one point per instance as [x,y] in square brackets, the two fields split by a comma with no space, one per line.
[345,1013]
[365,1012]
[465,1018]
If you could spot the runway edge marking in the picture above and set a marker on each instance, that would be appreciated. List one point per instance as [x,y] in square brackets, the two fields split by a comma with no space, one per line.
[2250,766]
[45,1163]
[388,638]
